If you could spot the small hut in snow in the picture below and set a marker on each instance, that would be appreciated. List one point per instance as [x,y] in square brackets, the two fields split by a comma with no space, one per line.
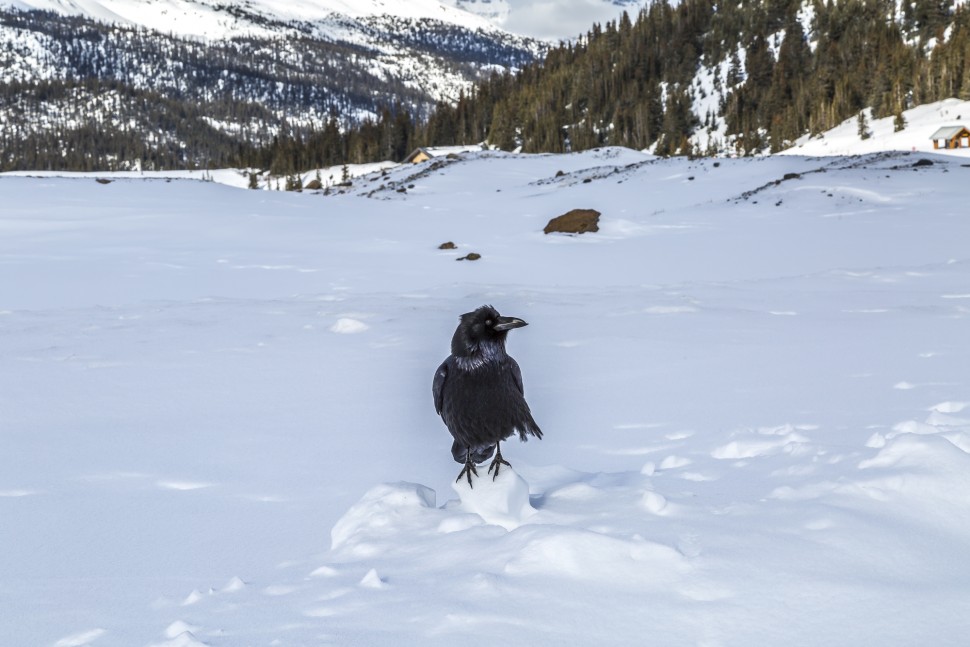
[951,137]
[424,154]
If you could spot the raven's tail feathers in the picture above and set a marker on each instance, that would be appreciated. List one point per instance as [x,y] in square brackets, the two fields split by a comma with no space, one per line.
[532,430]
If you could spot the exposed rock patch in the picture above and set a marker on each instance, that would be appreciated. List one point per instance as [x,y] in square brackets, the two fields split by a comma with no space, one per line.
[577,221]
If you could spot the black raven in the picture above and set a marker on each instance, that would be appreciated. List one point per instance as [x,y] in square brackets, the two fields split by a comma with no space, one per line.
[478,391]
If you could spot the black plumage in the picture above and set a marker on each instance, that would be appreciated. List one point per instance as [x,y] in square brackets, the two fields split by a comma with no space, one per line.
[478,391]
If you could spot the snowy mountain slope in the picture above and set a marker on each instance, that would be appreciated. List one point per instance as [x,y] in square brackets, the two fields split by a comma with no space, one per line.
[219,430]
[149,78]
[216,20]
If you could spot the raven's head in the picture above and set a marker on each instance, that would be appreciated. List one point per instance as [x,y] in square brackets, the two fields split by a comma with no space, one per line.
[482,332]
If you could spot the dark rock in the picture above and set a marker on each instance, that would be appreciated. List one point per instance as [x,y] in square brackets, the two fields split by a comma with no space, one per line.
[448,245]
[101,180]
[314,185]
[577,221]
[923,162]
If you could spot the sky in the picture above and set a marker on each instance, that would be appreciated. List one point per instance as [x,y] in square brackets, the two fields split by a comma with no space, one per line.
[551,19]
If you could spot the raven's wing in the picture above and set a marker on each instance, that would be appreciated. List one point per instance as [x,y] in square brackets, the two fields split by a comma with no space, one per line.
[438,386]
[517,376]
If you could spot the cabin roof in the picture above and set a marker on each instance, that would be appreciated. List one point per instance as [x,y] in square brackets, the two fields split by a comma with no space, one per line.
[948,132]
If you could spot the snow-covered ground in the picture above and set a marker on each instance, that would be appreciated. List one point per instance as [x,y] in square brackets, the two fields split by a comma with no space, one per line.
[217,423]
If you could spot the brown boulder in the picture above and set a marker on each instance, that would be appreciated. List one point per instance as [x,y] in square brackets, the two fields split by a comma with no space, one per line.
[577,221]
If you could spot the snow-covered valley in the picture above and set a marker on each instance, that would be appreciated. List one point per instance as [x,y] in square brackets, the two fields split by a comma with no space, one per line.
[218,427]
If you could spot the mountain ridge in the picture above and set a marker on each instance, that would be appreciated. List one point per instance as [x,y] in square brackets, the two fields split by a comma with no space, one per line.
[218,19]
[89,94]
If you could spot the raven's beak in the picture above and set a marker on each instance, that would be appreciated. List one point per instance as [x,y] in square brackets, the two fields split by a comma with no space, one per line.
[508,323]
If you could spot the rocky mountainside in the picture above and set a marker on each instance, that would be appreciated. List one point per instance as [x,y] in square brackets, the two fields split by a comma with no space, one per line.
[167,84]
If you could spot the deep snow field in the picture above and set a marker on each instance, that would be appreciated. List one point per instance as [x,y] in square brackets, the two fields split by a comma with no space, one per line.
[217,423]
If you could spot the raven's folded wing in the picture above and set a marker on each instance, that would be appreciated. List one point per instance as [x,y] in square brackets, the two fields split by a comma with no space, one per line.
[438,386]
[517,375]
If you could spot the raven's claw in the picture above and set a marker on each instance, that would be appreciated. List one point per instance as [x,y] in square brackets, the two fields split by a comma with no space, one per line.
[467,472]
[497,463]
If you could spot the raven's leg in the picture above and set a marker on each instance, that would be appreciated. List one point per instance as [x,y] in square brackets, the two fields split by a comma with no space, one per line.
[468,470]
[498,461]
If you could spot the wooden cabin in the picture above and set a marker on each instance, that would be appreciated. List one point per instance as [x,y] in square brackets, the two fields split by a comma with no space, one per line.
[951,137]
[424,154]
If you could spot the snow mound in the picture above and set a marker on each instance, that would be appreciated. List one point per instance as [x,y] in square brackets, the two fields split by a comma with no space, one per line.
[178,628]
[594,557]
[502,501]
[381,512]
[372,580]
[184,639]
[925,467]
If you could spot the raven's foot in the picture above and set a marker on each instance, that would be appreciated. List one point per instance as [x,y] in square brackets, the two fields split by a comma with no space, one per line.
[497,463]
[467,472]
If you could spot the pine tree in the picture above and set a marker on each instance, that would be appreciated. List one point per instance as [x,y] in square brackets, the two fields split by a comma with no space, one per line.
[899,121]
[863,125]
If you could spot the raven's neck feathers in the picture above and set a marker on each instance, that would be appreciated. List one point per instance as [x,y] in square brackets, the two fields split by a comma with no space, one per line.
[472,354]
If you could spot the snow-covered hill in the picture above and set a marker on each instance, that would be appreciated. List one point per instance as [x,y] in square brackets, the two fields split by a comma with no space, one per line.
[921,123]
[218,427]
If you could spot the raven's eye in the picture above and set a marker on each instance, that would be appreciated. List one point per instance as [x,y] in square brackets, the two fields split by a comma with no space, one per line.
[488,322]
